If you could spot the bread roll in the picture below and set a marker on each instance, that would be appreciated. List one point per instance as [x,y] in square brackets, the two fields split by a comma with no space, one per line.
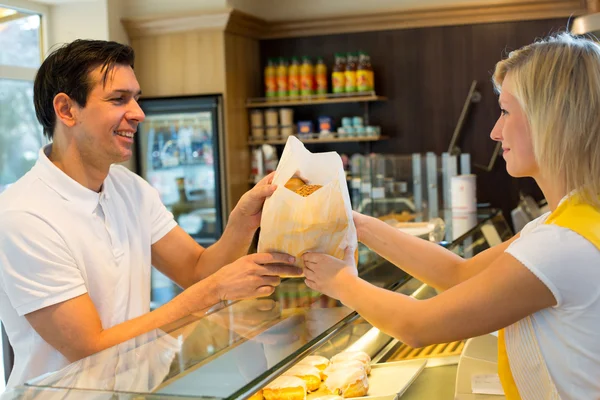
[353,355]
[285,388]
[316,361]
[348,382]
[307,190]
[309,374]
[341,365]
[294,183]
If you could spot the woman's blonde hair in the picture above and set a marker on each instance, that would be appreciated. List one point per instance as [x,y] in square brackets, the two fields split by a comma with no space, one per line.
[557,83]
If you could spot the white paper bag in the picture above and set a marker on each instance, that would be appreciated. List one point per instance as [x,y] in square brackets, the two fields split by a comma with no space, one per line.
[321,222]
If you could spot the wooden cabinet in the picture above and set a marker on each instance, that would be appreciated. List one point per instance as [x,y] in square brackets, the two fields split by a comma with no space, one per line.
[204,54]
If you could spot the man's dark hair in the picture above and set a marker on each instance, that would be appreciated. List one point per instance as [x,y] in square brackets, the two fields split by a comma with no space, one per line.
[67,70]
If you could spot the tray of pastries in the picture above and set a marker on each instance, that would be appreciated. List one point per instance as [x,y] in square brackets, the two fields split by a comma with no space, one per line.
[348,374]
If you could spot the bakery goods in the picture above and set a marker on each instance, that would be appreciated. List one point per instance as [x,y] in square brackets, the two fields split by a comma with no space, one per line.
[330,397]
[309,374]
[348,382]
[294,183]
[257,396]
[316,361]
[307,190]
[353,355]
[285,388]
[341,365]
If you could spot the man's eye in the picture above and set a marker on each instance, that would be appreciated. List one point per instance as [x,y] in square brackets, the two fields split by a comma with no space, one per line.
[118,99]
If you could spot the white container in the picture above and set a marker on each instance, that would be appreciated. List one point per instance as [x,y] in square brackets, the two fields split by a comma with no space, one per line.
[463,193]
[462,223]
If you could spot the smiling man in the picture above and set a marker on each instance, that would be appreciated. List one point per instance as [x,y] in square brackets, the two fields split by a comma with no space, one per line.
[79,233]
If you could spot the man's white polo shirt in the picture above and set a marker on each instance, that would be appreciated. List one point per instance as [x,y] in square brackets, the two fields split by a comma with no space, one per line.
[59,240]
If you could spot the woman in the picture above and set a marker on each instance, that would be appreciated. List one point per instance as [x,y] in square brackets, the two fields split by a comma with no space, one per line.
[542,286]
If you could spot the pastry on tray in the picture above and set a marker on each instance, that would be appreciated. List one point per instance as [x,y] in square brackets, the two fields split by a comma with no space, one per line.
[341,365]
[348,382]
[316,361]
[353,355]
[285,388]
[309,374]
[330,397]
[257,396]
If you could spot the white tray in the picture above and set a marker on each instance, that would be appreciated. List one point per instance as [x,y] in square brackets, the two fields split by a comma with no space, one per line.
[387,380]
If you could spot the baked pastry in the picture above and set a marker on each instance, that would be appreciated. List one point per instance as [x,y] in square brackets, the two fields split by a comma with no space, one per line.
[354,355]
[307,190]
[294,183]
[341,365]
[330,397]
[285,388]
[316,361]
[348,382]
[309,374]
[257,396]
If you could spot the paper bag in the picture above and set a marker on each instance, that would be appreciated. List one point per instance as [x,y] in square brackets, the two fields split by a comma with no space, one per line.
[321,222]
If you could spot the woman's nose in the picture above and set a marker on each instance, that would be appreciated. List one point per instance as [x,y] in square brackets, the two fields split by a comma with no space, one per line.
[496,133]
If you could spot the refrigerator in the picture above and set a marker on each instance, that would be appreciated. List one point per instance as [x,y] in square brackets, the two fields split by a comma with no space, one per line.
[179,151]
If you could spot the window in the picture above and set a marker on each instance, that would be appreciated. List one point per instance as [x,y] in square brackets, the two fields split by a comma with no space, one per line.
[20,133]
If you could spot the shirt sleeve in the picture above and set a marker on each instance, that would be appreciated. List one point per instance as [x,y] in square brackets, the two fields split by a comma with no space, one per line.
[564,261]
[161,219]
[37,269]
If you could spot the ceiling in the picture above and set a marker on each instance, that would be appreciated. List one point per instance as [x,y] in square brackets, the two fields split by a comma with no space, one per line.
[276,10]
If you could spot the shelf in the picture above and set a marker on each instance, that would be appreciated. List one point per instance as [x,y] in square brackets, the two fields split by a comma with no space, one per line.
[330,98]
[329,140]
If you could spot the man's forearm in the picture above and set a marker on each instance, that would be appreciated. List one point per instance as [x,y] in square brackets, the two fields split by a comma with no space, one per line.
[426,261]
[233,244]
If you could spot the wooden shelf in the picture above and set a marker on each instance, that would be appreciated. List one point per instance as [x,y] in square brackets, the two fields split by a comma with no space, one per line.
[329,140]
[329,98]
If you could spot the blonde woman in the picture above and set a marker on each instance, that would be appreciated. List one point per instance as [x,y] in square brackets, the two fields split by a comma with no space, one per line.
[541,289]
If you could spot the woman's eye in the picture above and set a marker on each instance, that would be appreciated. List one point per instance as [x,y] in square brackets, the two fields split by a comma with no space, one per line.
[503,112]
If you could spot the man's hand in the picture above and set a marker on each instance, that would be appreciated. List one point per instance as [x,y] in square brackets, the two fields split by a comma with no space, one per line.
[254,275]
[248,210]
[327,274]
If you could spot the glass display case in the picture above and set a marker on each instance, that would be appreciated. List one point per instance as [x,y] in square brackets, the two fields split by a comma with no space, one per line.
[234,349]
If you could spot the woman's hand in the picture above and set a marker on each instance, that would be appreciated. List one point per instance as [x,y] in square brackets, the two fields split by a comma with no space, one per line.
[327,274]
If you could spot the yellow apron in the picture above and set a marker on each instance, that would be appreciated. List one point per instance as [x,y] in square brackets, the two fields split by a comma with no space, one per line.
[582,219]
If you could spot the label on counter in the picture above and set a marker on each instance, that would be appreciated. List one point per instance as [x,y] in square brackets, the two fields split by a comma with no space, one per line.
[378,193]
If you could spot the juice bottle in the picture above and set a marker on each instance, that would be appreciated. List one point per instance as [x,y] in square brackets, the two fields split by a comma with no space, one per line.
[371,73]
[351,73]
[321,77]
[338,77]
[294,78]
[306,77]
[282,78]
[362,74]
[270,79]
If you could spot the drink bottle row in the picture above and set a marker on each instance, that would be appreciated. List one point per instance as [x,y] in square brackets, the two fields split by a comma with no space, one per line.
[351,73]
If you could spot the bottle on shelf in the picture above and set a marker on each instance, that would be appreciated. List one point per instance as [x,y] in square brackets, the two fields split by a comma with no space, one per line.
[282,78]
[338,76]
[270,79]
[363,81]
[294,78]
[351,73]
[306,77]
[321,77]
[371,73]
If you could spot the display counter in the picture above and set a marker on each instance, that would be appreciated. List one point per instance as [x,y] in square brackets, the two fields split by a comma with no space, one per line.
[234,349]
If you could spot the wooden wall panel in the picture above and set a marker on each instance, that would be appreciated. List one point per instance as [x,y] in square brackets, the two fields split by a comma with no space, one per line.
[426,74]
[181,63]
[242,71]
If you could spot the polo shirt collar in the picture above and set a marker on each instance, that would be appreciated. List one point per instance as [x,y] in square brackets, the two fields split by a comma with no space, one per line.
[64,185]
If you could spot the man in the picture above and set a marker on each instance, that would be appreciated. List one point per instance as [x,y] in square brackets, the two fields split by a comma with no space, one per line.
[79,233]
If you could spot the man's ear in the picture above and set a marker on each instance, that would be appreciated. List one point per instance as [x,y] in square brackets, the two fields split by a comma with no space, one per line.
[65,109]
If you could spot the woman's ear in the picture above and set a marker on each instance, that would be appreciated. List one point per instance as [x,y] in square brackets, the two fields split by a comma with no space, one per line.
[64,107]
